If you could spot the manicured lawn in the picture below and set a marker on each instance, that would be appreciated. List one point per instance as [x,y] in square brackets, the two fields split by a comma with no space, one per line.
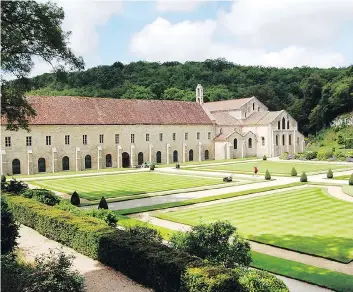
[322,277]
[117,185]
[274,167]
[342,177]
[348,190]
[306,220]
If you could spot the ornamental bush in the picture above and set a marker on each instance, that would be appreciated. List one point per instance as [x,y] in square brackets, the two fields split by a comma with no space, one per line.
[3,183]
[103,204]
[264,157]
[75,199]
[310,155]
[45,196]
[294,172]
[350,181]
[267,175]
[146,233]
[152,166]
[284,155]
[324,155]
[16,187]
[9,228]
[303,177]
[329,173]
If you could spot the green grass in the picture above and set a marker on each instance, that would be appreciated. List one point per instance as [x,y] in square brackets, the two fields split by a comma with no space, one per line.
[201,200]
[275,168]
[118,185]
[348,190]
[318,276]
[306,220]
[310,274]
[342,177]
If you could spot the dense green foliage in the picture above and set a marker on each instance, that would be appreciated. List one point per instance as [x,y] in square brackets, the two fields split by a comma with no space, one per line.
[218,243]
[75,199]
[267,175]
[303,177]
[312,96]
[42,195]
[30,29]
[103,204]
[15,187]
[50,272]
[146,233]
[9,229]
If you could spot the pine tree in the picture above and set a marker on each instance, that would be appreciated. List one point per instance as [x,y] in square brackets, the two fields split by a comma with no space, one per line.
[267,175]
[329,173]
[103,204]
[303,177]
[294,172]
[75,199]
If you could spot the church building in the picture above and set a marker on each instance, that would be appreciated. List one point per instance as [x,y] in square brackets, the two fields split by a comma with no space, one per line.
[78,133]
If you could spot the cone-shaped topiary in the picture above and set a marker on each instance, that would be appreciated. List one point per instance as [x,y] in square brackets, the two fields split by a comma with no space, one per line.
[152,166]
[267,175]
[303,177]
[351,180]
[75,199]
[103,204]
[329,173]
[264,158]
[294,172]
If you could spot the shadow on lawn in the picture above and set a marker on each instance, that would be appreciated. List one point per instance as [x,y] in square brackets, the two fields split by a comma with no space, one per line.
[334,248]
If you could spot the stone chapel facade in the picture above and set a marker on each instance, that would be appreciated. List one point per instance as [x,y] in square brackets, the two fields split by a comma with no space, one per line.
[78,133]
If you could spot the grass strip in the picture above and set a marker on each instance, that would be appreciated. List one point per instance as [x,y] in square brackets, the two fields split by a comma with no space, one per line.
[348,190]
[306,273]
[202,200]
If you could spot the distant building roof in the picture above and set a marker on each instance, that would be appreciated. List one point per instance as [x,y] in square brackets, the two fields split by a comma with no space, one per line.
[71,110]
[261,118]
[225,119]
[226,105]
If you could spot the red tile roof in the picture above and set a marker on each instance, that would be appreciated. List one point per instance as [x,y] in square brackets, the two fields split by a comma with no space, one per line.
[226,105]
[71,110]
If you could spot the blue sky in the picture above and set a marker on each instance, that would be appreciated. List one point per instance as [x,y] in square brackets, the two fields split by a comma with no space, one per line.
[280,33]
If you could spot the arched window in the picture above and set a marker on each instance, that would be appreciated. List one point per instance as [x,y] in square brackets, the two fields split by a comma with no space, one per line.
[250,143]
[207,155]
[175,156]
[140,158]
[108,160]
[88,162]
[16,166]
[283,140]
[263,141]
[290,140]
[159,157]
[276,140]
[66,163]
[279,125]
[253,106]
[283,123]
[41,165]
[191,155]
[288,125]
[235,143]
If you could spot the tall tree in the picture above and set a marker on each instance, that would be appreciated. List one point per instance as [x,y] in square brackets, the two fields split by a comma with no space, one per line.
[30,29]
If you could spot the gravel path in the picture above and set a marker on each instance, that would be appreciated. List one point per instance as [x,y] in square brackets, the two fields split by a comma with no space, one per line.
[98,278]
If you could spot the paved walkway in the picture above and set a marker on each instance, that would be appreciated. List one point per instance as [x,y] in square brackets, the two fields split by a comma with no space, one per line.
[98,277]
[262,248]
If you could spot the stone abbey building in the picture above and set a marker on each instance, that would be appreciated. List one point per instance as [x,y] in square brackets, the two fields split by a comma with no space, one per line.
[78,133]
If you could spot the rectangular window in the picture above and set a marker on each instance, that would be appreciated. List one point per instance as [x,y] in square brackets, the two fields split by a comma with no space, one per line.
[174,136]
[198,135]
[132,138]
[160,136]
[29,141]
[117,139]
[67,139]
[48,140]
[186,136]
[84,139]
[7,141]
[147,137]
[101,138]
[209,135]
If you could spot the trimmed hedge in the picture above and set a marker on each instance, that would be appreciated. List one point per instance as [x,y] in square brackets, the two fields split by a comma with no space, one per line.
[81,233]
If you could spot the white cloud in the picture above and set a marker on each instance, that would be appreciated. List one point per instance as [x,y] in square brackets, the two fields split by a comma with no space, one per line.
[83,18]
[177,5]
[281,33]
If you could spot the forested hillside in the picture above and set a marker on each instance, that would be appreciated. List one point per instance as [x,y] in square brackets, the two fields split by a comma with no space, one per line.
[313,96]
